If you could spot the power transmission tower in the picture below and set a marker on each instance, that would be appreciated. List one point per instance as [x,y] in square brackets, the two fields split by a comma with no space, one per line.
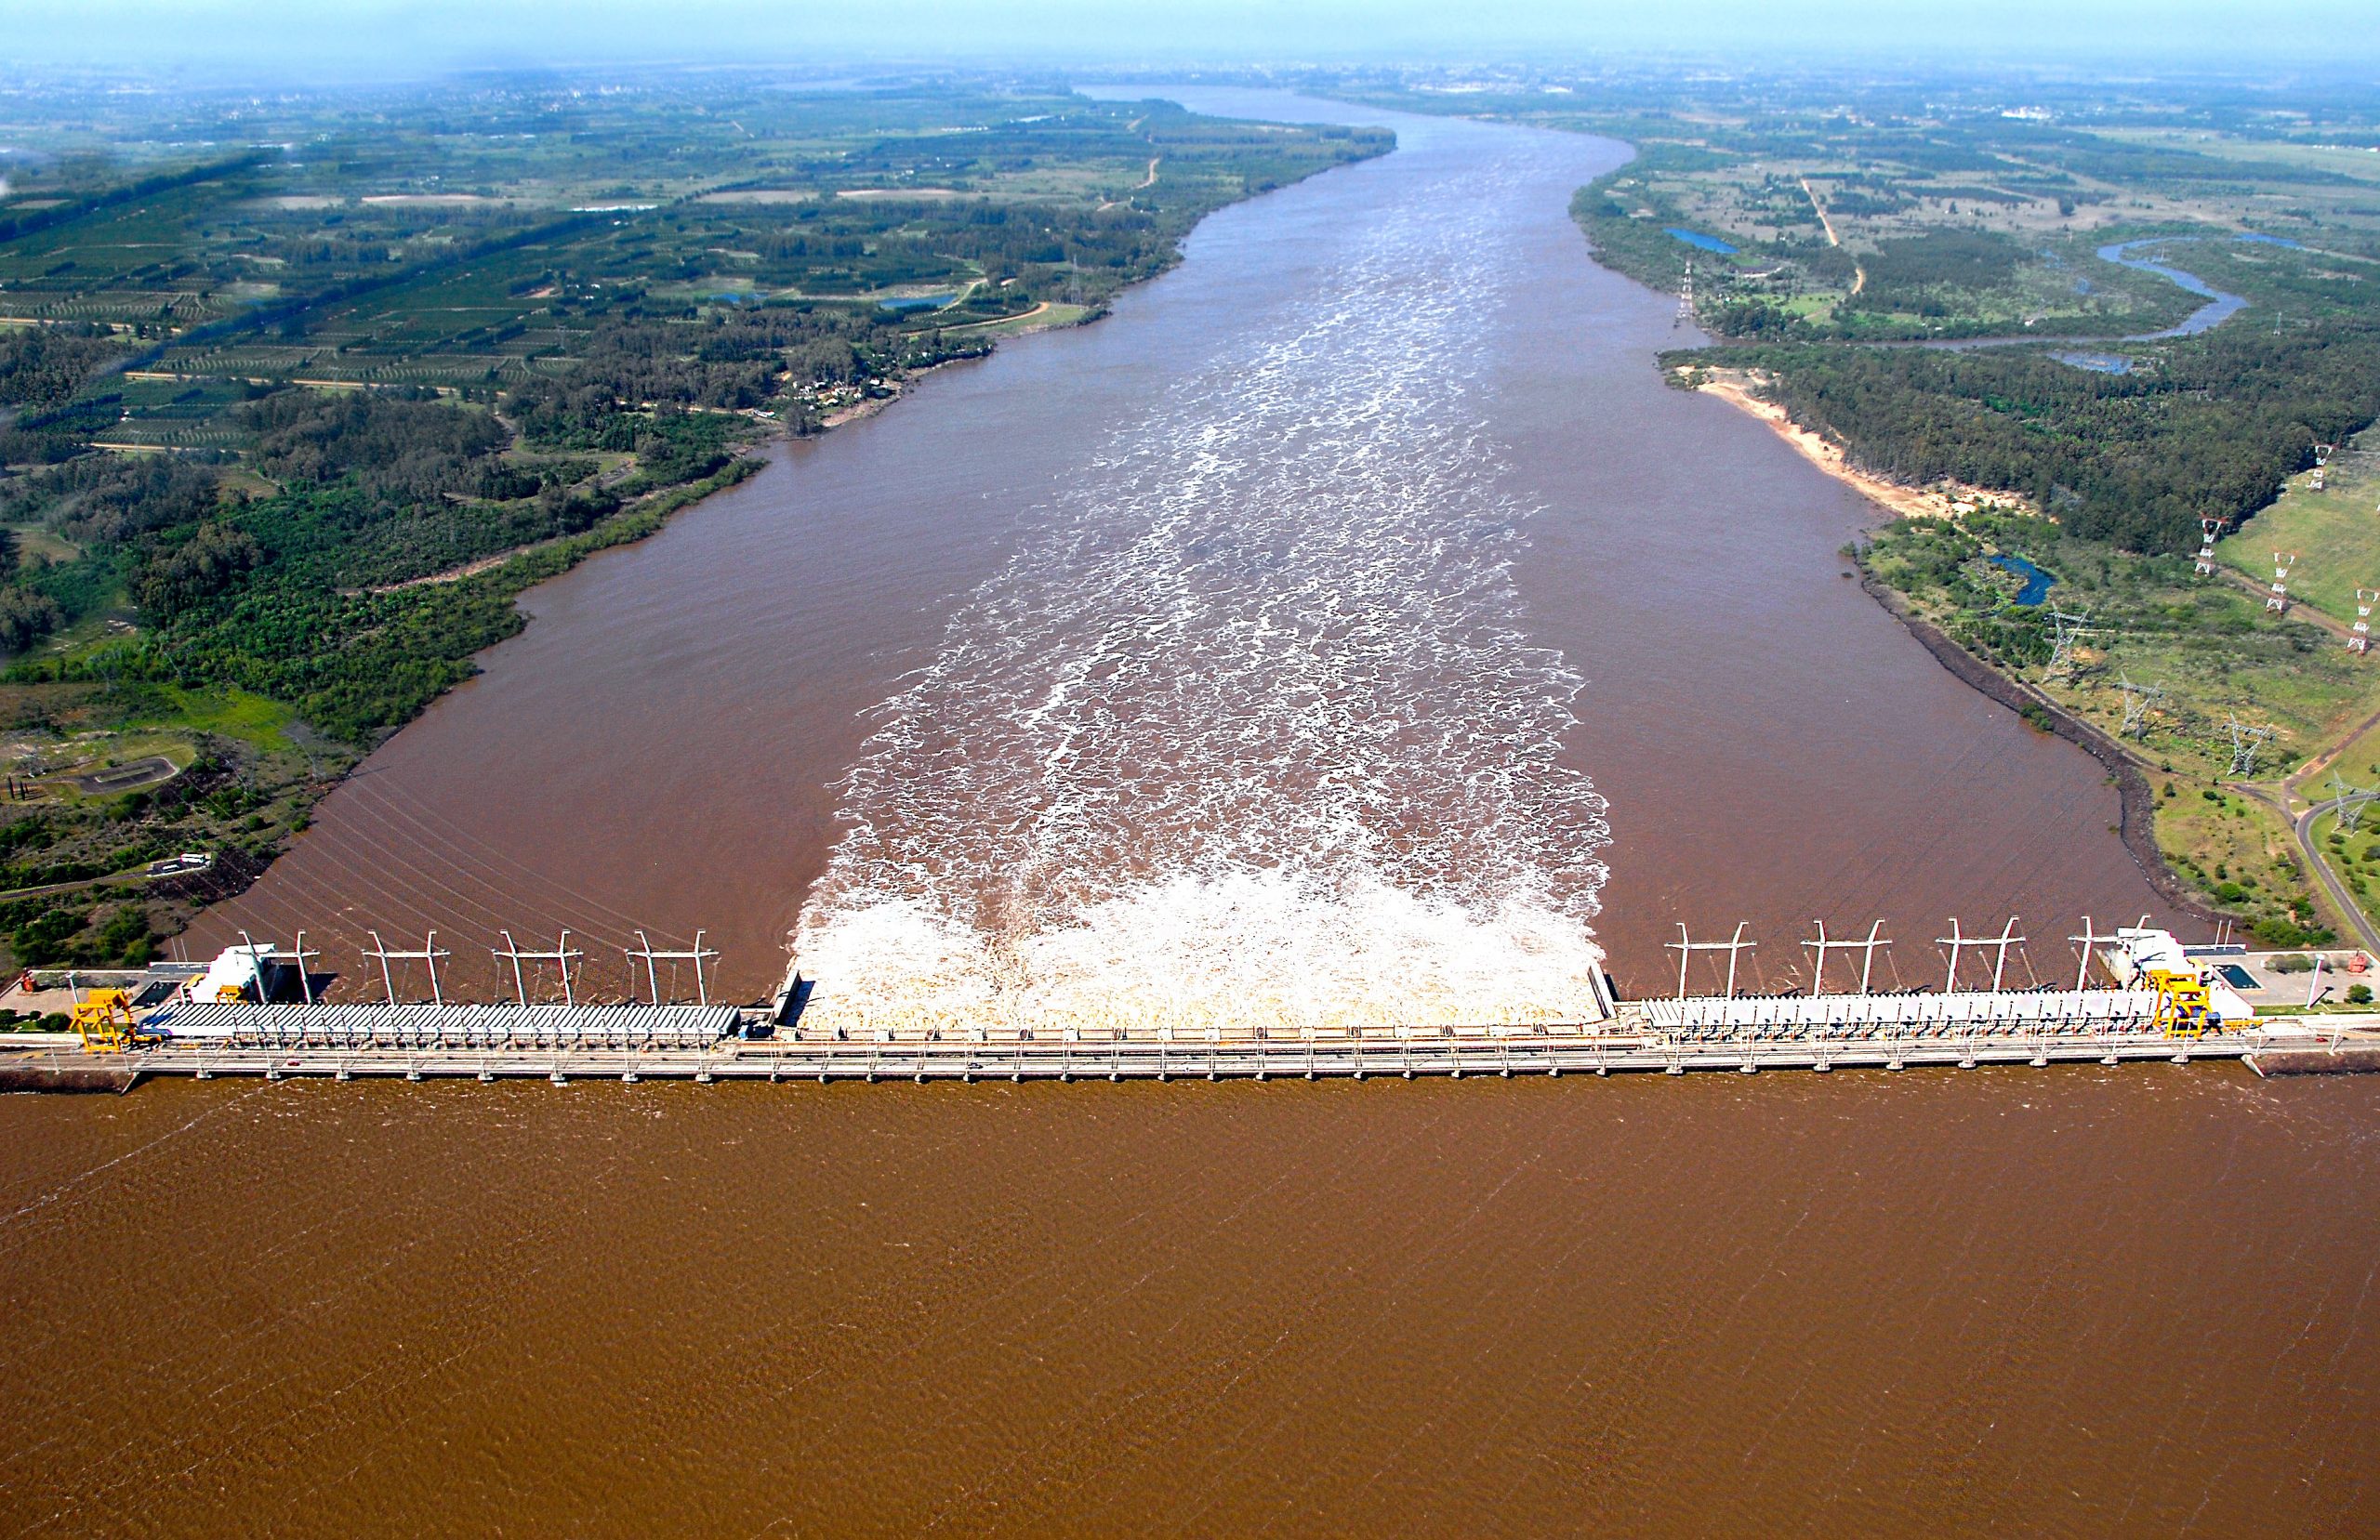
[2084,942]
[560,956]
[698,954]
[1822,946]
[2278,600]
[1955,941]
[2137,700]
[1685,300]
[2245,741]
[429,954]
[2359,636]
[1686,946]
[2067,631]
[296,957]
[2351,801]
[2211,527]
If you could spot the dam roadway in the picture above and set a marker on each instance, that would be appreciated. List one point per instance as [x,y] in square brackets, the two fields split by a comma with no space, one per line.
[2289,1049]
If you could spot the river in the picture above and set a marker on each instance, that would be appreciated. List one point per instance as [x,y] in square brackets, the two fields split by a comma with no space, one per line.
[1563,658]
[1358,585]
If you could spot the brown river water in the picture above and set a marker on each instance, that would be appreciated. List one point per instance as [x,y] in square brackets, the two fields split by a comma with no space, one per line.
[1356,595]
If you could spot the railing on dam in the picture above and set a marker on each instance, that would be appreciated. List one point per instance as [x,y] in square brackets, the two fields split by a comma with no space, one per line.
[1137,1060]
[248,1024]
[1854,1016]
[1712,1020]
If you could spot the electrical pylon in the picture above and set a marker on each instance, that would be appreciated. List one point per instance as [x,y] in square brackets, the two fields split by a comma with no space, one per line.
[2137,700]
[2245,741]
[2278,600]
[2066,630]
[2351,801]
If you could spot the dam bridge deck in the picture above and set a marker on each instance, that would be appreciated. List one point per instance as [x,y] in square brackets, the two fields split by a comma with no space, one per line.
[1603,1053]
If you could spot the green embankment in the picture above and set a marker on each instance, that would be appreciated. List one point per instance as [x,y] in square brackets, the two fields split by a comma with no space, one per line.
[2335,533]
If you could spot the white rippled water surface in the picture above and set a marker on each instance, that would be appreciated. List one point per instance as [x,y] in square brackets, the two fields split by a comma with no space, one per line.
[1246,734]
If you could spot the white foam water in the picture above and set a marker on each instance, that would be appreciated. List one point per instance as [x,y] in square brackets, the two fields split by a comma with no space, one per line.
[1245,735]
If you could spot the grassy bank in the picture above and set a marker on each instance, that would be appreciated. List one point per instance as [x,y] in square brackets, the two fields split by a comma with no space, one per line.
[2211,654]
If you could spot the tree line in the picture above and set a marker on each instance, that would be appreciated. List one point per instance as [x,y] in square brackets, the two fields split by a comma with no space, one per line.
[2137,459]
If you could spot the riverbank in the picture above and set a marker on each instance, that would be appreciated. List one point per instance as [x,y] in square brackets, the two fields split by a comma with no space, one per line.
[2241,860]
[2136,801]
[325,502]
[1944,499]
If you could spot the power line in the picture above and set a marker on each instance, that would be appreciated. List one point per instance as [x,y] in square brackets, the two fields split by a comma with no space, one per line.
[429,954]
[1822,946]
[2089,938]
[1686,946]
[2068,630]
[697,954]
[1957,940]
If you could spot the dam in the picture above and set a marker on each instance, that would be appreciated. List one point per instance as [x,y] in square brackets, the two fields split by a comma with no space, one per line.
[2161,1002]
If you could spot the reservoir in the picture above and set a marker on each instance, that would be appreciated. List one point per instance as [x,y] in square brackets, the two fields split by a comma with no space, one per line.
[1353,613]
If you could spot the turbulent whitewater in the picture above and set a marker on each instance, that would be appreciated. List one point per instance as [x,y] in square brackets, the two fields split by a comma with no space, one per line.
[1245,735]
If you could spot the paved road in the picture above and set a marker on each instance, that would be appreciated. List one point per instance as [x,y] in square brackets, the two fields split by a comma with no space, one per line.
[2303,826]
[154,770]
[134,874]
[1618,1053]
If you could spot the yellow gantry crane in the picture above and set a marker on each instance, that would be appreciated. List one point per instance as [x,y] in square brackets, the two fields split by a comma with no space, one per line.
[104,1021]
[2184,1005]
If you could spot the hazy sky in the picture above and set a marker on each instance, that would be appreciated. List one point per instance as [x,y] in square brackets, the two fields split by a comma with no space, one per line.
[398,37]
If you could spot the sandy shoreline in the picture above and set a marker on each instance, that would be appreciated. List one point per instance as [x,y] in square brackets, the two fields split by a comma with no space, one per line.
[1942,500]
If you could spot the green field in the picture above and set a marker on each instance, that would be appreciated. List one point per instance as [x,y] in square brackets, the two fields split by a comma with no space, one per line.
[2335,532]
[2361,162]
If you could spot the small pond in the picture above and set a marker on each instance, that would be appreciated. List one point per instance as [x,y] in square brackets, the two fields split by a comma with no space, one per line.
[2099,363]
[1706,243]
[2037,582]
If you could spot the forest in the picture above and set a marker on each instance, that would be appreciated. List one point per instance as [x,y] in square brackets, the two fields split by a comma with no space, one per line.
[2137,459]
